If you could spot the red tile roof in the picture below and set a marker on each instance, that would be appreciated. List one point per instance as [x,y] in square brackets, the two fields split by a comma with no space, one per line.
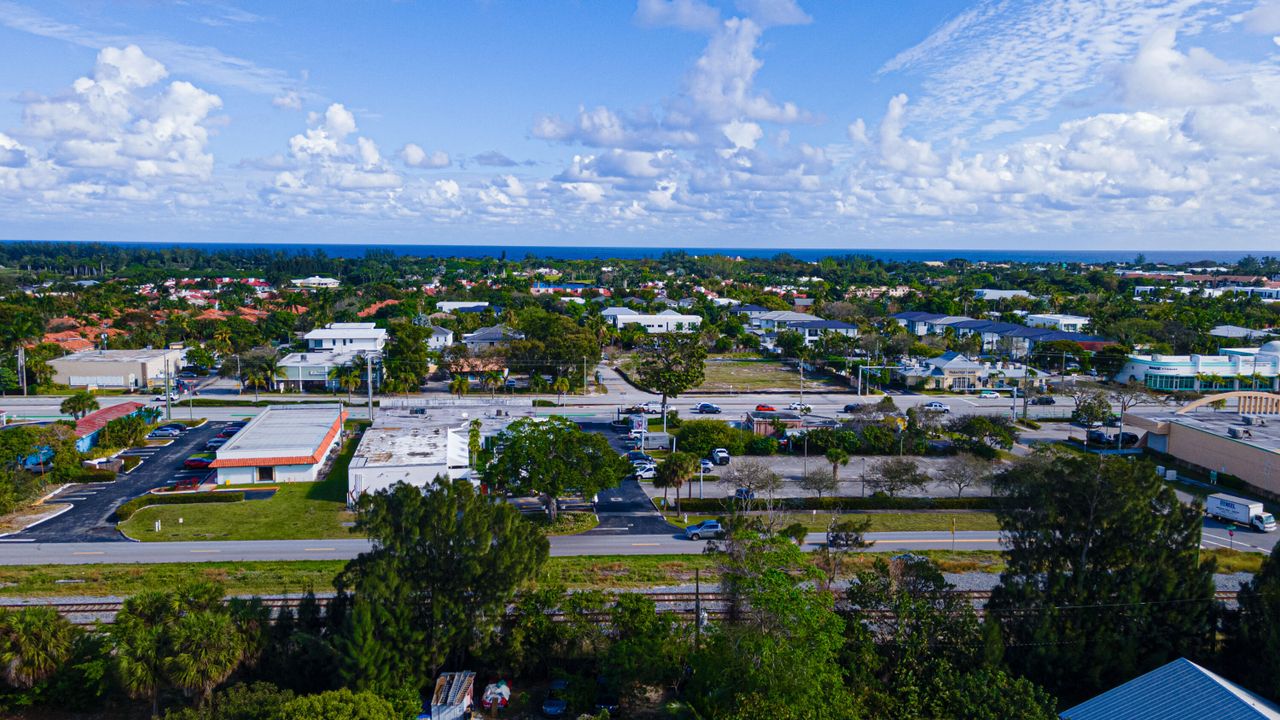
[95,421]
[374,308]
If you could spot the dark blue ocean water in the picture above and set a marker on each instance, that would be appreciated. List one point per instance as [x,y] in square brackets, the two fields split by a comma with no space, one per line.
[596,252]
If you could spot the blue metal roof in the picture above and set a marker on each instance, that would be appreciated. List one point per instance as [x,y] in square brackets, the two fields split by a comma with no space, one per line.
[1180,689]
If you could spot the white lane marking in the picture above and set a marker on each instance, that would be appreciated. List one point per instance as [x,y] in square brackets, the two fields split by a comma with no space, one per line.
[320,549]
[95,552]
[206,551]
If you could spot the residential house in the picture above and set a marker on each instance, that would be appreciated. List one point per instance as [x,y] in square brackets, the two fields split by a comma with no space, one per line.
[993,295]
[366,337]
[1057,321]
[315,282]
[454,305]
[664,322]
[814,330]
[489,337]
[955,372]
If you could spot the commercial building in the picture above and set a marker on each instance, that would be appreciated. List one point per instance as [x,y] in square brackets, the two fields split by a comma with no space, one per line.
[285,443]
[953,371]
[1242,439]
[1180,689]
[89,427]
[666,321]
[415,445]
[1232,369]
[117,368]
[314,370]
[348,337]
[1235,332]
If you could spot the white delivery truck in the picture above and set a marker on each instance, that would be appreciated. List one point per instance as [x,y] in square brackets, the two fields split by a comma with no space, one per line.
[1239,510]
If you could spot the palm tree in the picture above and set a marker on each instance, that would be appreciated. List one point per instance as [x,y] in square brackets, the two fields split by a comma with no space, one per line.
[560,386]
[222,339]
[138,637]
[459,385]
[79,404]
[837,457]
[674,472]
[34,643]
[207,648]
[537,383]
[347,377]
[492,380]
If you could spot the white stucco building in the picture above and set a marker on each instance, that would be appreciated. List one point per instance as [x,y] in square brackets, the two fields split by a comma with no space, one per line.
[666,321]
[284,443]
[1232,369]
[358,336]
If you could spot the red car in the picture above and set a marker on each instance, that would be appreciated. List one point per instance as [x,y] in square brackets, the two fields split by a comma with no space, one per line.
[199,461]
[766,408]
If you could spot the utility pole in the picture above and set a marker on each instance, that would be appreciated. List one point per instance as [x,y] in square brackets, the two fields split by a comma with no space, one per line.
[368,368]
[584,376]
[168,397]
[22,369]
[238,375]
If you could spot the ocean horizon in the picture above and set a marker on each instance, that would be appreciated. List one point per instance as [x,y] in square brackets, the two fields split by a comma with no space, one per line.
[555,252]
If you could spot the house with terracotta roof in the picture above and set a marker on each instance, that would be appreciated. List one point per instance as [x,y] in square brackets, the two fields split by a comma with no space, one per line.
[284,443]
[89,427]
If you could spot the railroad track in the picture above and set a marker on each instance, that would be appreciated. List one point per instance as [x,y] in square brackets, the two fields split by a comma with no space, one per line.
[713,604]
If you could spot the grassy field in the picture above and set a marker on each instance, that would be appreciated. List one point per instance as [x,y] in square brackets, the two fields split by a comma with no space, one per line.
[604,572]
[751,375]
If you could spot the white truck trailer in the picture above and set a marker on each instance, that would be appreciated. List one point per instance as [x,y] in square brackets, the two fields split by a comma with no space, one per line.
[1240,511]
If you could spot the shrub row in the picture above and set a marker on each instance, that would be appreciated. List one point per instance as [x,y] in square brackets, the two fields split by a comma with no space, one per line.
[126,510]
[713,505]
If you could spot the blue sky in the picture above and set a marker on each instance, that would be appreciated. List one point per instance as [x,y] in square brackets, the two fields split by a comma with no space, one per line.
[1142,124]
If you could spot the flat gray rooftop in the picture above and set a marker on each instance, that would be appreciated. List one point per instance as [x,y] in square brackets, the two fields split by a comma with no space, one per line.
[283,431]
[1219,423]
[118,355]
[400,437]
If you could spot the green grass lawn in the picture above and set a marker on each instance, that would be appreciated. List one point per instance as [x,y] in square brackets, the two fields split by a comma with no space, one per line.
[749,375]
[603,572]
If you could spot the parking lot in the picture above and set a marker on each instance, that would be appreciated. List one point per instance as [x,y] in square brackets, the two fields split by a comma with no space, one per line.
[93,504]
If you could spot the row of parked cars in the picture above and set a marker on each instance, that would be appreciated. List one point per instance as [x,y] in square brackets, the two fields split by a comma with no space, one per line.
[645,466]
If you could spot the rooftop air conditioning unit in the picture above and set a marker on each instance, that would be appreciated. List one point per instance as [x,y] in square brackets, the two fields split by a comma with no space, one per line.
[1234,432]
[1250,419]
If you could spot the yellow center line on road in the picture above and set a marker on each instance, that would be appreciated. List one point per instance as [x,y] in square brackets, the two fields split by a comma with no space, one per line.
[320,549]
[94,552]
[205,551]
[644,544]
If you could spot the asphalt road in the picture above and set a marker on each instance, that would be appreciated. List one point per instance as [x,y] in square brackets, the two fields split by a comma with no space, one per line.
[14,552]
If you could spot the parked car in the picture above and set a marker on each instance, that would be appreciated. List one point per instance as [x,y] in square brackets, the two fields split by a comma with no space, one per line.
[646,472]
[173,426]
[706,465]
[1043,400]
[720,456]
[188,375]
[988,394]
[1097,437]
[800,407]
[1128,438]
[766,408]
[935,406]
[173,396]
[215,443]
[555,705]
[198,461]
[707,408]
[164,434]
[188,483]
[852,408]
[744,494]
[704,529]
[635,455]
[227,432]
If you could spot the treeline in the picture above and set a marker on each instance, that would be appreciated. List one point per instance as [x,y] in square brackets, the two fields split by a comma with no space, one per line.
[1088,600]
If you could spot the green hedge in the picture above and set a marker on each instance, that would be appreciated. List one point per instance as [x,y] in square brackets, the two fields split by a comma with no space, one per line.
[126,510]
[94,476]
[714,505]
[539,402]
